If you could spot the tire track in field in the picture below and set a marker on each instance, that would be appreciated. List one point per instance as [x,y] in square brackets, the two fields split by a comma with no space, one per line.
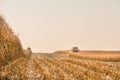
[33,70]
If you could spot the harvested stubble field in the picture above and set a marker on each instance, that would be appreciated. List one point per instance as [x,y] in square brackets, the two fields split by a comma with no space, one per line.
[56,66]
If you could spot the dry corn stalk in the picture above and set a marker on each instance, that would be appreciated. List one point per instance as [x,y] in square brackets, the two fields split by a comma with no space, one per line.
[10,46]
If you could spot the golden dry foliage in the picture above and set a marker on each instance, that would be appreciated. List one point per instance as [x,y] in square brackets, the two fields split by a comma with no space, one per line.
[10,46]
[46,67]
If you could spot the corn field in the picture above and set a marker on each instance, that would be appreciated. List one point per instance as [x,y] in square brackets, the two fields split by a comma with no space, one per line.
[15,64]
[46,67]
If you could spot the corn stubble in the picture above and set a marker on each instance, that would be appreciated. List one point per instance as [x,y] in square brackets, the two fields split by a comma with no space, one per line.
[14,65]
[48,68]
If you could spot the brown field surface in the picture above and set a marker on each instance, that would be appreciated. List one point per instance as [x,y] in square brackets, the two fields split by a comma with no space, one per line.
[93,53]
[64,65]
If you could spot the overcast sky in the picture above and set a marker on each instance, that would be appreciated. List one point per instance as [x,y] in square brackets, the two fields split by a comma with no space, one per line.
[50,25]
